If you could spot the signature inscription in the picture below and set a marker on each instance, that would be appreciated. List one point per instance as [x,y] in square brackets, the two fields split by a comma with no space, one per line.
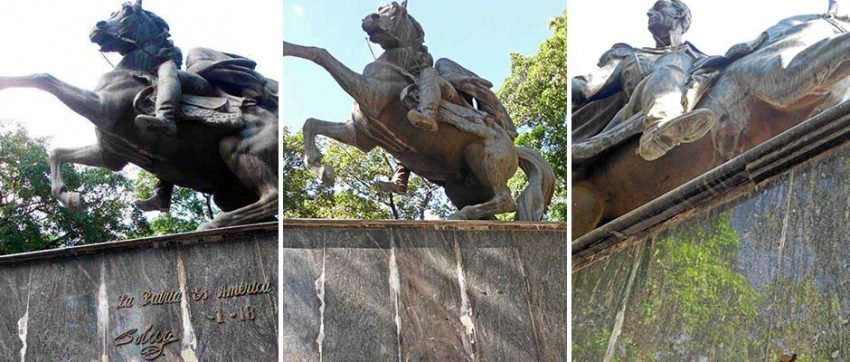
[151,341]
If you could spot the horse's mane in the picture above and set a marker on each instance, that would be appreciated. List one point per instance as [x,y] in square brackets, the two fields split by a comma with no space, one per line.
[420,32]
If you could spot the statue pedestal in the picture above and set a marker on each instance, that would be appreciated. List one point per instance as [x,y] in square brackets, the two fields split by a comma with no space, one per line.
[751,264]
[199,296]
[434,290]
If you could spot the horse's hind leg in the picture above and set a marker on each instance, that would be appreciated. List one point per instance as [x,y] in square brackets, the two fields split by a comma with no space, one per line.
[342,132]
[257,170]
[588,209]
[492,166]
[92,155]
[501,202]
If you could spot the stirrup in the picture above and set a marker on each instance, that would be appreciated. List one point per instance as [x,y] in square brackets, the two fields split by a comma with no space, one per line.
[156,124]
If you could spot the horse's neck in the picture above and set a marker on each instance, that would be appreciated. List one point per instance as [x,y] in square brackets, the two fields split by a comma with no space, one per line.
[408,58]
[140,60]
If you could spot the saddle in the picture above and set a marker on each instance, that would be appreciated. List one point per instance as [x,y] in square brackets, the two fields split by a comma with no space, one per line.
[486,110]
[231,78]
[219,112]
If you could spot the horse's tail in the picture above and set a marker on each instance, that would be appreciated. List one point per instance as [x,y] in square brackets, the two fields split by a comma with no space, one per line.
[534,200]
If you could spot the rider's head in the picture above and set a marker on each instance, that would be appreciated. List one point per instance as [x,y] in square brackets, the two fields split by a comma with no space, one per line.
[668,20]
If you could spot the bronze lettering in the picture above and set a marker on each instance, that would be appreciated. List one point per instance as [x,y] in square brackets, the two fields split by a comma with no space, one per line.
[241,289]
[124,301]
[125,338]
[152,341]
[199,294]
[158,298]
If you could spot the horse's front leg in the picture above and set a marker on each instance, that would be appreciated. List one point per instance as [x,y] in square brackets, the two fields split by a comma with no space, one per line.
[85,102]
[91,155]
[342,132]
[353,83]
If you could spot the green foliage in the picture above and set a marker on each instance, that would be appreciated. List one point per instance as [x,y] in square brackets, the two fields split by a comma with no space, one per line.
[32,219]
[188,208]
[693,278]
[535,95]
[354,195]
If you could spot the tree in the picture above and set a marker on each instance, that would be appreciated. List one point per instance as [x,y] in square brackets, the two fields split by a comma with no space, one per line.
[189,208]
[354,195]
[32,219]
[535,95]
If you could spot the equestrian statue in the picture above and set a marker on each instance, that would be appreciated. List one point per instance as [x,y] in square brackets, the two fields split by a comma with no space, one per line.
[211,128]
[651,119]
[438,119]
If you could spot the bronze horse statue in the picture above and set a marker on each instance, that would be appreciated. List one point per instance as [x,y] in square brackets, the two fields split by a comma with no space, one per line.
[236,163]
[471,154]
[794,70]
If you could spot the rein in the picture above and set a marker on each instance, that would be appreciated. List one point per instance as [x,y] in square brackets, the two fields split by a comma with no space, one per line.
[832,21]
[106,59]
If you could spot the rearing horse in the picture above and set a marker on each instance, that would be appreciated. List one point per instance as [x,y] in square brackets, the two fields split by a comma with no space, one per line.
[471,161]
[237,165]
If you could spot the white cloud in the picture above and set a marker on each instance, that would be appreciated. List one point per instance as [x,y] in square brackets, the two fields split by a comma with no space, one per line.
[299,10]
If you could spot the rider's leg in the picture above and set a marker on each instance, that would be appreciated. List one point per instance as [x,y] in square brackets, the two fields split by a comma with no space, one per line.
[167,101]
[665,87]
[666,125]
[430,95]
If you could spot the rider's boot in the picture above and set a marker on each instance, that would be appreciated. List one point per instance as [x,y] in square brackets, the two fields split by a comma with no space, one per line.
[667,126]
[167,101]
[430,96]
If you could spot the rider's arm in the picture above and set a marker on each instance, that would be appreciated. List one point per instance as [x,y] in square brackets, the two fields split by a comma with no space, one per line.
[602,82]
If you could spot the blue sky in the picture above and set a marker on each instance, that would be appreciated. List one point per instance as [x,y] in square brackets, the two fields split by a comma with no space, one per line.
[480,35]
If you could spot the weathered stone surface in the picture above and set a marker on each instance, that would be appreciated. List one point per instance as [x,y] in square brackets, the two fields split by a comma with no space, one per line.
[449,291]
[63,304]
[753,277]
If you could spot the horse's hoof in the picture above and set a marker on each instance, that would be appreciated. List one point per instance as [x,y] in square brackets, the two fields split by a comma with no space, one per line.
[148,205]
[208,226]
[456,216]
[72,201]
[326,173]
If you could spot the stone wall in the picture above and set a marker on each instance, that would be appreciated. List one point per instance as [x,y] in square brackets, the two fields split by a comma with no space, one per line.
[157,298]
[760,272]
[412,291]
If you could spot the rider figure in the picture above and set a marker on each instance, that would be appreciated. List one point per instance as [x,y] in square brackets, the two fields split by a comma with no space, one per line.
[430,92]
[167,101]
[664,71]
[167,58]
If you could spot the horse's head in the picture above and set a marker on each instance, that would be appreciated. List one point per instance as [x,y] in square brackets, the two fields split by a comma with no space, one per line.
[128,29]
[392,27]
